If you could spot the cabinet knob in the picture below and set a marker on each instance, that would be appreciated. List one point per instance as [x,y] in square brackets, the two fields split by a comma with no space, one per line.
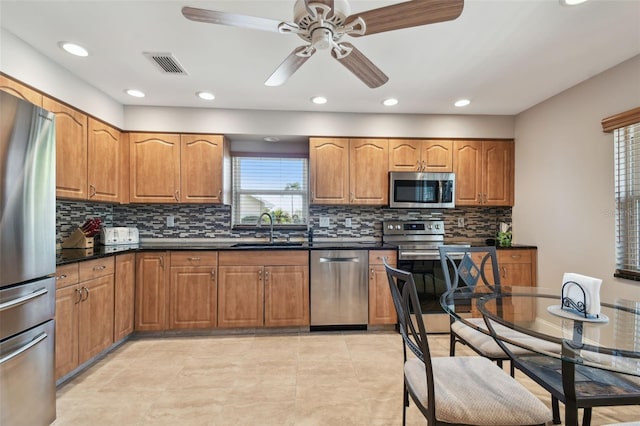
[99,268]
[92,191]
[213,274]
[79,294]
[85,290]
[61,277]
[194,259]
[177,195]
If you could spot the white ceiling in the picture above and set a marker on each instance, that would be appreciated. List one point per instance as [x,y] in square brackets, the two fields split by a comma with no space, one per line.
[505,56]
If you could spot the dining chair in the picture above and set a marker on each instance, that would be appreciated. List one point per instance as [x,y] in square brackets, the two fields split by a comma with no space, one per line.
[460,267]
[455,390]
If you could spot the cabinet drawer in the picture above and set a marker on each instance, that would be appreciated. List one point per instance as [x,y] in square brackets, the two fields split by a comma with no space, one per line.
[514,256]
[194,258]
[375,257]
[96,268]
[265,257]
[66,275]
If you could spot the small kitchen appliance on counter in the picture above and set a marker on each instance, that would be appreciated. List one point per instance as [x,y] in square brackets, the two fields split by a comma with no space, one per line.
[110,236]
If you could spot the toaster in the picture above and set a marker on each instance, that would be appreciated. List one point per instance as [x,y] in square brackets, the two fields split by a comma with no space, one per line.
[110,236]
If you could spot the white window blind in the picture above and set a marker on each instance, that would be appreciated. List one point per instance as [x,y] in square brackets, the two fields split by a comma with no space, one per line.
[627,193]
[278,186]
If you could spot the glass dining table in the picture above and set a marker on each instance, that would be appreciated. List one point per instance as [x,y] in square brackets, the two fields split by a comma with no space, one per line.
[583,361]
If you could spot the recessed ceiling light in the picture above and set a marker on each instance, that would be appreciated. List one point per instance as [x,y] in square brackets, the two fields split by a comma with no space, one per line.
[319,100]
[135,93]
[390,102]
[462,102]
[207,96]
[271,139]
[73,48]
[571,2]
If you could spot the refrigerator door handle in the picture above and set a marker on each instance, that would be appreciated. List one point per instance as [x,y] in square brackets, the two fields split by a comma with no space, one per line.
[22,300]
[39,338]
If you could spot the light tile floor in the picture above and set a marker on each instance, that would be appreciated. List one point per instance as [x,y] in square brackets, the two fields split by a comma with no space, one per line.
[340,378]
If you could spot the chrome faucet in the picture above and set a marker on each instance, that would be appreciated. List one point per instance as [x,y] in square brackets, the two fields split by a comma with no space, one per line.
[270,223]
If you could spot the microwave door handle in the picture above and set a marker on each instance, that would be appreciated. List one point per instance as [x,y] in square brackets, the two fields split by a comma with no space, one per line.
[439,192]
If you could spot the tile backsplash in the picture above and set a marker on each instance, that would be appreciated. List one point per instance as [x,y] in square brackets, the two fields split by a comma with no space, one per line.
[212,221]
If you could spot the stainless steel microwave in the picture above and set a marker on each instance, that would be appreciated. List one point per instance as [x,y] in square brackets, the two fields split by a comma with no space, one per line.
[410,190]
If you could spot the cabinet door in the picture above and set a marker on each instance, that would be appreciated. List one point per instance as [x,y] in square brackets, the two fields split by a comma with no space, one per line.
[329,170]
[124,296]
[286,296]
[368,171]
[404,155]
[151,287]
[381,308]
[67,300]
[437,156]
[201,168]
[240,296]
[498,173]
[154,168]
[192,299]
[20,90]
[95,317]
[71,150]
[467,165]
[104,162]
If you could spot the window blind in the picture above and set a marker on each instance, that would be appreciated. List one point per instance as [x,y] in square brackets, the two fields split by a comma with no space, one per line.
[627,197]
[275,185]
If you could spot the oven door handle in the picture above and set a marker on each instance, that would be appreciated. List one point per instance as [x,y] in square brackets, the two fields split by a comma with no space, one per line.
[39,338]
[419,255]
[22,300]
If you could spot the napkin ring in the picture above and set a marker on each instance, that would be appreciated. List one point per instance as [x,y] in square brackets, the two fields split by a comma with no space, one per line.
[577,306]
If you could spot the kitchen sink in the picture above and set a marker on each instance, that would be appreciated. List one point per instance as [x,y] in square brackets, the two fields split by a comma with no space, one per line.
[274,244]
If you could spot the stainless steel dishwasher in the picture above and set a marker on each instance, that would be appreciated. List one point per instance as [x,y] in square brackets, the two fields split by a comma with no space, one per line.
[339,288]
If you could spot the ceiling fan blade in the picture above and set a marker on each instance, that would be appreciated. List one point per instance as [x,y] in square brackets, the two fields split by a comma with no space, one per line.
[359,65]
[299,56]
[231,19]
[408,14]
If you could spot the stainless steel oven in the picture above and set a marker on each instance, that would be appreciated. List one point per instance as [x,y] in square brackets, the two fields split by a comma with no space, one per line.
[418,243]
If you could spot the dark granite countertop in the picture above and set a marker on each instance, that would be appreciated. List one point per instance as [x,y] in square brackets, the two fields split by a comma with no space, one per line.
[65,256]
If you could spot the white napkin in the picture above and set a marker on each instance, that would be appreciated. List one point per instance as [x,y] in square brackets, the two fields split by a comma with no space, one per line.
[591,287]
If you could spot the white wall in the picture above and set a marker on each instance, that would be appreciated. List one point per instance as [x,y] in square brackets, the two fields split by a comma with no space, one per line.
[22,62]
[564,179]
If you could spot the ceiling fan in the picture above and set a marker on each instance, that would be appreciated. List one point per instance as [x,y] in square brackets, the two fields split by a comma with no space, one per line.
[323,23]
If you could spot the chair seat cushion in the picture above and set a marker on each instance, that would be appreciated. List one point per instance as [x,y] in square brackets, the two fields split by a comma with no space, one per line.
[487,346]
[474,391]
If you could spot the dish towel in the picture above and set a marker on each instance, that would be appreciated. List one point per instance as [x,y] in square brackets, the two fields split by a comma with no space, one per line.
[571,284]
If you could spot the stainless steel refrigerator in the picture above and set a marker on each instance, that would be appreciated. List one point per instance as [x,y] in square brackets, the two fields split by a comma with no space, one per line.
[27,259]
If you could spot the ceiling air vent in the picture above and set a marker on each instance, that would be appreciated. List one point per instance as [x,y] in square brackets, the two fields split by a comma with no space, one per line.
[166,62]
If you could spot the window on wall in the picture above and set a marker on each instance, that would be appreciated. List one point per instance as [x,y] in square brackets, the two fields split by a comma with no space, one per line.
[275,185]
[627,194]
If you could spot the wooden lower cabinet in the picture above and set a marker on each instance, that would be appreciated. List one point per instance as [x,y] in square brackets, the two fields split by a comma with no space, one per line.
[381,308]
[124,296]
[257,288]
[286,296]
[84,312]
[152,282]
[193,290]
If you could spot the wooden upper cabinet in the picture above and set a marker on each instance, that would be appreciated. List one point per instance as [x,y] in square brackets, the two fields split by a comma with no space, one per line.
[20,90]
[329,170]
[404,155]
[154,168]
[368,171]
[498,167]
[437,156]
[412,155]
[71,150]
[201,168]
[484,173]
[104,158]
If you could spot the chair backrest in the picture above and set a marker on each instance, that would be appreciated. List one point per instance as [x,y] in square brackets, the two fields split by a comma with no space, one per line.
[461,269]
[411,322]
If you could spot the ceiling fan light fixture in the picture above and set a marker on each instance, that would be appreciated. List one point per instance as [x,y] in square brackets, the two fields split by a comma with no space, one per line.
[461,103]
[319,100]
[73,48]
[207,96]
[571,2]
[135,93]
[390,102]
[271,139]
